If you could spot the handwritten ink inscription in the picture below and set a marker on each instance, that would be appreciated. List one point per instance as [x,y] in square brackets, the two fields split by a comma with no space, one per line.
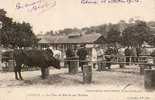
[36,5]
[109,1]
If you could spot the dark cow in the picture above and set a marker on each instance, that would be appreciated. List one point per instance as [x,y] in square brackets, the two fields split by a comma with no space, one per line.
[34,57]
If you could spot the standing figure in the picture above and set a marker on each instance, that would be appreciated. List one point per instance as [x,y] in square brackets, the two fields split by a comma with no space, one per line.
[143,55]
[121,57]
[127,54]
[134,55]
[69,56]
[100,59]
[108,57]
[94,57]
[82,53]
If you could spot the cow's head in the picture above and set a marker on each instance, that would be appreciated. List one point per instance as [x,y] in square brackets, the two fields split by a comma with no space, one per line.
[55,63]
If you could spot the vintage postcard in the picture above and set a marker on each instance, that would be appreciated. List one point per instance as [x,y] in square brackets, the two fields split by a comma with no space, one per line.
[77,49]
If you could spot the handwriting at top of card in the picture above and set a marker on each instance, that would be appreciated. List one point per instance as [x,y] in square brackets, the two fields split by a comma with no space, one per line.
[35,5]
[110,1]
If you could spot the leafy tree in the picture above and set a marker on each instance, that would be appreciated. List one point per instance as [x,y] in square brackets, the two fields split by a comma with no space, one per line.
[113,35]
[50,33]
[151,23]
[135,34]
[6,21]
[90,30]
[67,31]
[16,34]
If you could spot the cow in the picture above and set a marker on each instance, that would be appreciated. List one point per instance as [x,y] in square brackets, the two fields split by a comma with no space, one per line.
[34,57]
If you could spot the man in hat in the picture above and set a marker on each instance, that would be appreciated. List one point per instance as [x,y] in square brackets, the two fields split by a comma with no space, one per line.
[69,56]
[82,53]
[108,57]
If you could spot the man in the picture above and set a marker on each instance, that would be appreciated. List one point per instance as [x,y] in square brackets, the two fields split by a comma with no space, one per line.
[100,59]
[134,55]
[127,54]
[82,53]
[143,52]
[94,57]
[108,57]
[69,56]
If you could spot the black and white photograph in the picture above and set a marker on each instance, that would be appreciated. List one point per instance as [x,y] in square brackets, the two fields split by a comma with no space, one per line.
[77,49]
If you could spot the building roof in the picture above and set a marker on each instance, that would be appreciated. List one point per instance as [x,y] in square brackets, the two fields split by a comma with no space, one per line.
[73,39]
[152,29]
[43,41]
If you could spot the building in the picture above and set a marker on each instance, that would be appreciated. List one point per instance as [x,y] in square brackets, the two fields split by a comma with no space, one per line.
[62,42]
[73,41]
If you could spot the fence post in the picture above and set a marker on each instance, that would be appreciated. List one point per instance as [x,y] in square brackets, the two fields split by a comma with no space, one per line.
[87,74]
[73,65]
[101,66]
[130,60]
[10,66]
[121,60]
[142,67]
[149,79]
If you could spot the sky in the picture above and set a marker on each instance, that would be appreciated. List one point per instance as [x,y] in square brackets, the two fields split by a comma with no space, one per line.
[60,14]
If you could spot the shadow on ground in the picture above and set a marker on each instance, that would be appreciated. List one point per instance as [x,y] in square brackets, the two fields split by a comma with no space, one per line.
[115,77]
[63,79]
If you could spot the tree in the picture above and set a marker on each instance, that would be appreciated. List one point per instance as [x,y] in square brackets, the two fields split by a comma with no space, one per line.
[50,33]
[113,35]
[16,34]
[87,30]
[122,26]
[67,31]
[135,34]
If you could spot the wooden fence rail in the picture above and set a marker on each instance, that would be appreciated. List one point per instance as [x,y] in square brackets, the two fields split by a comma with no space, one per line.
[114,59]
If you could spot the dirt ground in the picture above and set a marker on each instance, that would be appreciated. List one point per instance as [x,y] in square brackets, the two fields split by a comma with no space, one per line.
[125,84]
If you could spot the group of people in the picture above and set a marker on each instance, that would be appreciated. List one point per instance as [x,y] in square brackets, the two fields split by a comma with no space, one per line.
[82,54]
[96,57]
[104,57]
[101,57]
[134,54]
